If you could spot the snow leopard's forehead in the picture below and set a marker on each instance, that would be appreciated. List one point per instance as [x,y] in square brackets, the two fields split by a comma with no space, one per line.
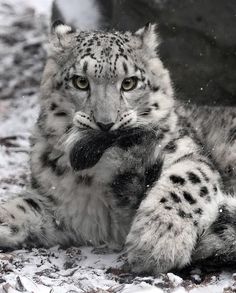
[104,55]
[103,42]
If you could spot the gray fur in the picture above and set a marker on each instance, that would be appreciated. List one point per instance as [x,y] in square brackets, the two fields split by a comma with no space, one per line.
[159,182]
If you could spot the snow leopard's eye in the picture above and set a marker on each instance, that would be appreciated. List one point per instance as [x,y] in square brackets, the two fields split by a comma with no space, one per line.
[129,83]
[80,82]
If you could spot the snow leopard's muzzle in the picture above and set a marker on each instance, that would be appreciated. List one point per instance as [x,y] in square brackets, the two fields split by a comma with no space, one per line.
[88,150]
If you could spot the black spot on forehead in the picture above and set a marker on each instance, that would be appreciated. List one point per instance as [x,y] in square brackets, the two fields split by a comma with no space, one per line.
[107,41]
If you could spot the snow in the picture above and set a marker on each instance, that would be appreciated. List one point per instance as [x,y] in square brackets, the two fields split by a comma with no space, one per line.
[57,270]
[174,279]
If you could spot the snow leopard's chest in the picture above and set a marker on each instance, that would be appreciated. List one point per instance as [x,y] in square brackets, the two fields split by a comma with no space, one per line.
[86,211]
[91,213]
[84,204]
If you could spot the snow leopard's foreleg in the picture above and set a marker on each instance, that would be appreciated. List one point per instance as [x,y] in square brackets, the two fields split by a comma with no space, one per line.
[176,211]
[28,220]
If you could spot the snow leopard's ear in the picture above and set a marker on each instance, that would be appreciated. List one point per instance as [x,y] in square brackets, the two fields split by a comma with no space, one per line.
[59,28]
[148,39]
[61,36]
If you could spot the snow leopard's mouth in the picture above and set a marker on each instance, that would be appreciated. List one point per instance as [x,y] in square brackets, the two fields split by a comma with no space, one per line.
[88,150]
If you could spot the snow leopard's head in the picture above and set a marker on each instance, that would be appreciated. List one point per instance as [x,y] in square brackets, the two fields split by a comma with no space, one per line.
[112,80]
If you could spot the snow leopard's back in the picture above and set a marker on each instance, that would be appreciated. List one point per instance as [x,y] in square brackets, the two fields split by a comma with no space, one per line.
[216,128]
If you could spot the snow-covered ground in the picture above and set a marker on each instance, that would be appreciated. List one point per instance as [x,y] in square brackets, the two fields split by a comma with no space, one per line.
[22,40]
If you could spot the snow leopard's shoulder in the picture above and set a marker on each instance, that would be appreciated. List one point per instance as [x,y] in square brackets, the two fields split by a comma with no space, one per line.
[216,128]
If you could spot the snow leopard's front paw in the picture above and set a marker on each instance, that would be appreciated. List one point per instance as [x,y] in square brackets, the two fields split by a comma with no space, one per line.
[19,221]
[155,245]
[10,234]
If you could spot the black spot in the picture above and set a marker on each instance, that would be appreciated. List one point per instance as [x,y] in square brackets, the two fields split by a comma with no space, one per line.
[60,114]
[177,179]
[193,178]
[20,207]
[33,204]
[163,200]
[170,147]
[198,211]
[156,105]
[175,197]
[12,216]
[53,106]
[59,85]
[170,226]
[155,88]
[85,66]
[229,171]
[14,229]
[215,188]
[182,214]
[203,191]
[168,208]
[195,223]
[125,68]
[160,136]
[189,197]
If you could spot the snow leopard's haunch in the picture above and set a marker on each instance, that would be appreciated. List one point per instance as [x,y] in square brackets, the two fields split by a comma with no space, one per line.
[116,161]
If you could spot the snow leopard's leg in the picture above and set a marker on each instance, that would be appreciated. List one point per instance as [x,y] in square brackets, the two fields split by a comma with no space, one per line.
[217,244]
[28,220]
[175,212]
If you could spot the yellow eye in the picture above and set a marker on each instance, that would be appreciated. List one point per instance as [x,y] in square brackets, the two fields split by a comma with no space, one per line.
[129,83]
[80,82]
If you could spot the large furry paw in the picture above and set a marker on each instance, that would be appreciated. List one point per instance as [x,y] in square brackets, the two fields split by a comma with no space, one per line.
[157,246]
[10,232]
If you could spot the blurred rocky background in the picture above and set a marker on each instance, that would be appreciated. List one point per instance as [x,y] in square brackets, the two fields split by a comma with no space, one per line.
[198,39]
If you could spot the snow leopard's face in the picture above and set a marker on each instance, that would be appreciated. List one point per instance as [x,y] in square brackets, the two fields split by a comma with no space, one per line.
[102,89]
[111,80]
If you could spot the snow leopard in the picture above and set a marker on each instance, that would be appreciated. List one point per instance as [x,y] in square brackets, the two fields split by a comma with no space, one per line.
[117,162]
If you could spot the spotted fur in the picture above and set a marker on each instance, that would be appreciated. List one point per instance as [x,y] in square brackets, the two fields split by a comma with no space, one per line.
[155,181]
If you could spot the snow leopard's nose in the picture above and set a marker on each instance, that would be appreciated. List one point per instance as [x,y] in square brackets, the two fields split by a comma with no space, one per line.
[105,126]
